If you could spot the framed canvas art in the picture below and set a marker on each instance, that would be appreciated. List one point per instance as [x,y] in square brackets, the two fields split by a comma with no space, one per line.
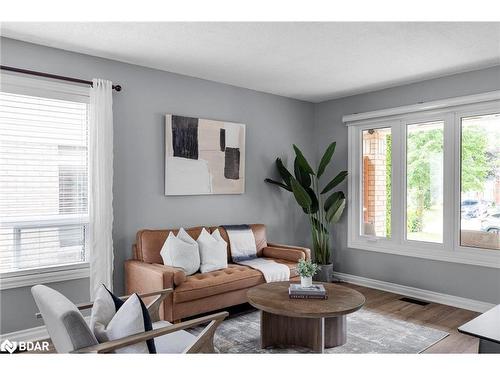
[203,156]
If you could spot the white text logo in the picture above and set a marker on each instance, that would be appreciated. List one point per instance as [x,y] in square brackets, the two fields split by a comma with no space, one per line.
[11,346]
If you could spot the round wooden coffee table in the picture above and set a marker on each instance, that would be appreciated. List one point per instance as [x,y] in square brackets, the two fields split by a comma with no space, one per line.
[311,323]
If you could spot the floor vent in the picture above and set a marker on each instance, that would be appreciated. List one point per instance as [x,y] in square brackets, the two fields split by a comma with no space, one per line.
[414,301]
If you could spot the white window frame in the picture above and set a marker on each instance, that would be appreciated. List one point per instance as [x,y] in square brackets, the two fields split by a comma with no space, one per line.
[450,111]
[19,84]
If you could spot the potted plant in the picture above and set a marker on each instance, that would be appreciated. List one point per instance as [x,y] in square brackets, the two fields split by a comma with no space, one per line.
[307,270]
[320,204]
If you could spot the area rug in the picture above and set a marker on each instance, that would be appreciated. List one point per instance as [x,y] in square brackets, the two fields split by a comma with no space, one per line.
[367,332]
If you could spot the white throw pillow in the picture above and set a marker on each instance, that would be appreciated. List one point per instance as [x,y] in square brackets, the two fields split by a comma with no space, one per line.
[213,251]
[181,251]
[114,319]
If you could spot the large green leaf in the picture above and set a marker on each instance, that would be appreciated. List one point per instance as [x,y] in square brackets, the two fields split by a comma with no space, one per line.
[325,160]
[300,194]
[332,199]
[336,180]
[285,175]
[302,161]
[302,176]
[335,211]
[280,184]
[314,202]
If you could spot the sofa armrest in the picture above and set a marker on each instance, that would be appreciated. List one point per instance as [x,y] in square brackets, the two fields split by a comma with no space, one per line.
[139,273]
[292,255]
[304,250]
[141,277]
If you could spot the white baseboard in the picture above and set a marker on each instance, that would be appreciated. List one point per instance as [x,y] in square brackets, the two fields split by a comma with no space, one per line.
[422,294]
[30,334]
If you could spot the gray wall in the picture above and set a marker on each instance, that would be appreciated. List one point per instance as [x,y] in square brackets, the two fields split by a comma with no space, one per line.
[466,281]
[273,124]
[17,308]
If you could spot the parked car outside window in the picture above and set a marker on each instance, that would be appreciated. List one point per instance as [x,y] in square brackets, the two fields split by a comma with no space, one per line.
[491,223]
[471,208]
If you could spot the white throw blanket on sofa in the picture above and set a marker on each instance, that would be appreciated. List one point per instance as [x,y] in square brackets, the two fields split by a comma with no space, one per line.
[244,252]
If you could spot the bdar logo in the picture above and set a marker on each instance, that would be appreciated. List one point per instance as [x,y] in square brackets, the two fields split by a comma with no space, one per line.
[24,346]
[8,346]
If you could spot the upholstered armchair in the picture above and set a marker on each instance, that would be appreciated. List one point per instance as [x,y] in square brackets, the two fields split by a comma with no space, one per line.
[70,333]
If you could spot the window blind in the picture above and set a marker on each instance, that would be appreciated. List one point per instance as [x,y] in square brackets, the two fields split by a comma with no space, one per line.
[43,181]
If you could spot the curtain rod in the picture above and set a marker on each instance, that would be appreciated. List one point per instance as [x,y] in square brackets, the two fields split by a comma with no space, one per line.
[53,76]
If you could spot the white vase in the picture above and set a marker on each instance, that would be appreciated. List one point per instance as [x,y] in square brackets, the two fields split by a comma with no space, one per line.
[306,282]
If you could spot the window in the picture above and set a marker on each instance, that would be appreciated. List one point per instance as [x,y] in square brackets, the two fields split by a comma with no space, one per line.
[377,182]
[43,176]
[424,180]
[480,181]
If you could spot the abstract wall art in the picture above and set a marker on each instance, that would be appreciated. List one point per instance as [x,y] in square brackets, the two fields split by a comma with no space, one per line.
[203,156]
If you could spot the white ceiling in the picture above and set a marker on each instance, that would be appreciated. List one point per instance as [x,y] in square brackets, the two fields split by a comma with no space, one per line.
[309,61]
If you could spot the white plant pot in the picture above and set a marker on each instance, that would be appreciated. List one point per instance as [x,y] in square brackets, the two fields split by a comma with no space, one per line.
[306,282]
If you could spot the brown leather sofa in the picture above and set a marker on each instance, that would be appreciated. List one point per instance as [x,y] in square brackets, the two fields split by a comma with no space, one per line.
[201,292]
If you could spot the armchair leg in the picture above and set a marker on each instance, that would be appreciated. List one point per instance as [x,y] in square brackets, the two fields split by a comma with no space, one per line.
[205,340]
[208,348]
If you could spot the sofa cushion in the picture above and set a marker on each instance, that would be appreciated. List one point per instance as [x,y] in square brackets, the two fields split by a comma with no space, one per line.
[207,284]
[175,342]
[234,277]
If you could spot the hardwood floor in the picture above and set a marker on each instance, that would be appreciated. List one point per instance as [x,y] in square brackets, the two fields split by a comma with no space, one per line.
[442,317]
[445,318]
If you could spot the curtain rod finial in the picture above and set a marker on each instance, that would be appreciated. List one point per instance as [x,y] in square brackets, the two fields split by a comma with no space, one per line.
[118,88]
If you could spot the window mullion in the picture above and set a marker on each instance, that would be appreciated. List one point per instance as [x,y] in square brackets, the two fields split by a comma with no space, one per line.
[397,196]
[354,184]
[450,182]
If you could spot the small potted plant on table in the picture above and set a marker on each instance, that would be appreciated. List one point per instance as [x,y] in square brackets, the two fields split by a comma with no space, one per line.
[307,270]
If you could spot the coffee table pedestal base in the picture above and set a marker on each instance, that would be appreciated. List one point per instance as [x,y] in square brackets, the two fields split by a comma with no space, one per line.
[314,333]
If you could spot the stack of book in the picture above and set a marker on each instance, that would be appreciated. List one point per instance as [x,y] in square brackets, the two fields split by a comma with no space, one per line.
[315,291]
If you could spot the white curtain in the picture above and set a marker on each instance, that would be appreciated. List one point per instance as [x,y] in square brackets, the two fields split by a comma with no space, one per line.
[101,185]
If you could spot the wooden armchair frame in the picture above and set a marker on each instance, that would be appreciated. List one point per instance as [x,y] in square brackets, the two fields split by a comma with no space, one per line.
[204,341]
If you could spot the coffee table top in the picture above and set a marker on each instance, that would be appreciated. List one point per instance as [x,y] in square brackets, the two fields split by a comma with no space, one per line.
[273,298]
